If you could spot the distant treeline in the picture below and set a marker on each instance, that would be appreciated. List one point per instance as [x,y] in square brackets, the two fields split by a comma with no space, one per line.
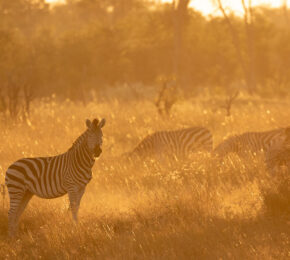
[88,44]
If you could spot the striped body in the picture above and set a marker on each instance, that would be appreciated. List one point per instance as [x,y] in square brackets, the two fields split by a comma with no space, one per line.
[252,142]
[278,155]
[52,177]
[179,143]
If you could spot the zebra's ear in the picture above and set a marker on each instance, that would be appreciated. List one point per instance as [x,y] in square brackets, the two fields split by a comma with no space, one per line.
[88,123]
[102,123]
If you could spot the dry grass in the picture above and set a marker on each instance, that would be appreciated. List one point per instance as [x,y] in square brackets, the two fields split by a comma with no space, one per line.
[197,209]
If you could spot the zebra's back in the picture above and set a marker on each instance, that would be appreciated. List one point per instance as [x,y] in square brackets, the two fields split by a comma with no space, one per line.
[179,142]
[249,142]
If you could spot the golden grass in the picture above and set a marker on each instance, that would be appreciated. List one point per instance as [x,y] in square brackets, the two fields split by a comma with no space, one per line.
[198,209]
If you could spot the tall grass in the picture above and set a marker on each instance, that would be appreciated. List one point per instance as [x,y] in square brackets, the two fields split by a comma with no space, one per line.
[200,208]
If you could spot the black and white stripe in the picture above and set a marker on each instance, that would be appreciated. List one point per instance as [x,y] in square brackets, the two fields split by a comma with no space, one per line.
[178,143]
[252,142]
[52,177]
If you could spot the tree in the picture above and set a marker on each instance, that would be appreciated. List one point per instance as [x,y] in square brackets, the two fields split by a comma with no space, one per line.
[249,27]
[285,10]
[246,62]
[180,11]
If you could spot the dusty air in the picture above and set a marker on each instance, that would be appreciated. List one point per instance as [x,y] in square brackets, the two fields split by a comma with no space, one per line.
[137,129]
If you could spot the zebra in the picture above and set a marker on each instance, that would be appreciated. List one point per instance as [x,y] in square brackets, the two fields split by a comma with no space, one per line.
[52,177]
[179,143]
[252,142]
[278,155]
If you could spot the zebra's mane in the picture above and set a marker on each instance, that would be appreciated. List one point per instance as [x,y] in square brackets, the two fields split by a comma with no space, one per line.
[79,141]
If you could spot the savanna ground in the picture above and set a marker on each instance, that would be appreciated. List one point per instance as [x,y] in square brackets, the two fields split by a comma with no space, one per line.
[196,209]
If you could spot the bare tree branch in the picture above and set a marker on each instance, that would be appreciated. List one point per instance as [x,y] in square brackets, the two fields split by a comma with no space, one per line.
[28,97]
[247,67]
[167,97]
[235,40]
[285,10]
[229,102]
[180,18]
[13,90]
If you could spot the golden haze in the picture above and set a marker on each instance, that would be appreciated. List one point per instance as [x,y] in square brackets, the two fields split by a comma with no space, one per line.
[193,209]
[111,59]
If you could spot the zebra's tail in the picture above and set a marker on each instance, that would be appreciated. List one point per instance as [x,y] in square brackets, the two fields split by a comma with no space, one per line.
[2,188]
[3,194]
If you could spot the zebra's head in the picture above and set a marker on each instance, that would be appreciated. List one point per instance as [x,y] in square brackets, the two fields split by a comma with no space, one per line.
[95,136]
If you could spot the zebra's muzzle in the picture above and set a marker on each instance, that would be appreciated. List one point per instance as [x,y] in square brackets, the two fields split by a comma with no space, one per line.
[97,151]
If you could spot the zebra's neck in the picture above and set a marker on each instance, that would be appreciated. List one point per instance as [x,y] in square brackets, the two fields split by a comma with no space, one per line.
[80,140]
[80,150]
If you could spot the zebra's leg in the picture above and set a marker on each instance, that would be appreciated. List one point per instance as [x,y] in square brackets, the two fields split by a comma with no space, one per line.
[18,202]
[75,199]
[27,197]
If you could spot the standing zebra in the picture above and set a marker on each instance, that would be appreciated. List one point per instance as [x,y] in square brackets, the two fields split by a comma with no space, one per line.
[179,143]
[52,177]
[249,142]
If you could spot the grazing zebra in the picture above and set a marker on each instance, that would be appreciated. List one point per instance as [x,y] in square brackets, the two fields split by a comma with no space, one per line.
[278,155]
[52,177]
[249,142]
[179,143]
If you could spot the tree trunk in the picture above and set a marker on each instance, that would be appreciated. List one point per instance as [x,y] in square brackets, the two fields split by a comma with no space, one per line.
[251,68]
[247,64]
[285,10]
[180,21]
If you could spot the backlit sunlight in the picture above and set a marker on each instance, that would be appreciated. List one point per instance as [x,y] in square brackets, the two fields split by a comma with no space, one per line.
[144,129]
[55,1]
[208,7]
